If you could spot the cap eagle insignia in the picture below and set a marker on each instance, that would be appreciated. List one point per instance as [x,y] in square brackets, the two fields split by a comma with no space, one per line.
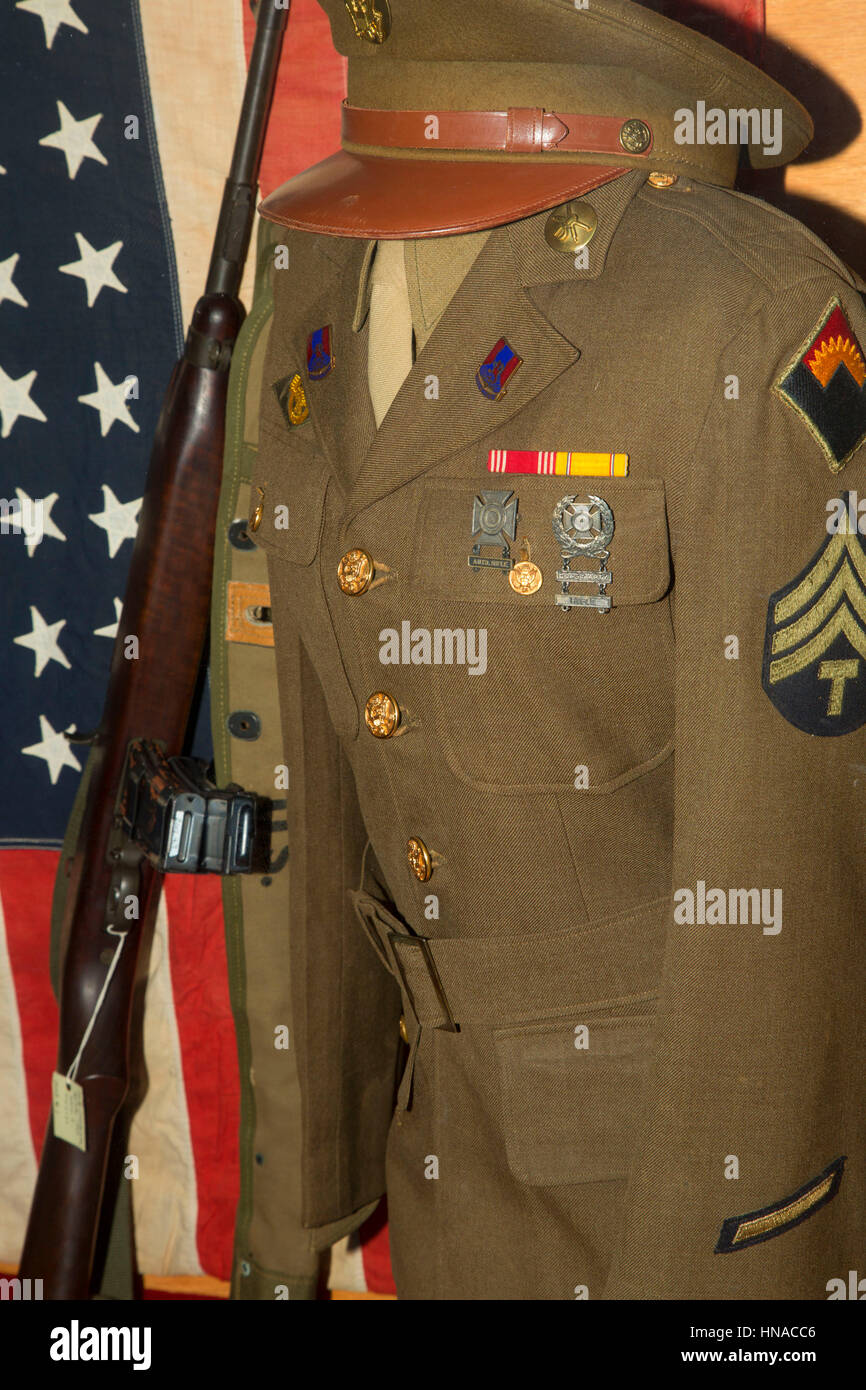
[371,19]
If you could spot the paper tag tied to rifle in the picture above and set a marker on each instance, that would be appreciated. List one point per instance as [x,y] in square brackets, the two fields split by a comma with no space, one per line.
[67,1111]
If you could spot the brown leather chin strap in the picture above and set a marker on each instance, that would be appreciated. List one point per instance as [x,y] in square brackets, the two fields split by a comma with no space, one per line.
[519,130]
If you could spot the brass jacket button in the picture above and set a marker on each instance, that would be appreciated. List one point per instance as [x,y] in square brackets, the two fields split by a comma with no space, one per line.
[404,1031]
[382,714]
[355,572]
[658,179]
[419,858]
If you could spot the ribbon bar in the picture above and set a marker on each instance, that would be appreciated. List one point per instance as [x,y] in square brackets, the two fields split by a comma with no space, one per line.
[558,463]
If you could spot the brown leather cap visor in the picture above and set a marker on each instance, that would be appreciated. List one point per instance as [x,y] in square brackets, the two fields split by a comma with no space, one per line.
[364,196]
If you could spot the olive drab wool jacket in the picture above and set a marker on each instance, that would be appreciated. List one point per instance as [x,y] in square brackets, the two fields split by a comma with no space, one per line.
[605,861]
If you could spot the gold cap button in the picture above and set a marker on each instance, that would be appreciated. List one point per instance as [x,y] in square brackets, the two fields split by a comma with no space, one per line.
[659,180]
[355,572]
[635,137]
[382,714]
[404,1031]
[419,858]
[258,512]
[571,226]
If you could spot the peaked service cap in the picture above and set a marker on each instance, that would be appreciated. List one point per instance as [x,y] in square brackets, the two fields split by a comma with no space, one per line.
[464,115]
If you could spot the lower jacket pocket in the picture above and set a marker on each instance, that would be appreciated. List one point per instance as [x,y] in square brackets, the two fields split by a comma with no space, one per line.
[571,1092]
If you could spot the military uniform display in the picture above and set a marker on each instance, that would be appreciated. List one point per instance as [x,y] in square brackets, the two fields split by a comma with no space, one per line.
[570,626]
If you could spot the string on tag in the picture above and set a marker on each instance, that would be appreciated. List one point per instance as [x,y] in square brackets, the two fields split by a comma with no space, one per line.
[121,939]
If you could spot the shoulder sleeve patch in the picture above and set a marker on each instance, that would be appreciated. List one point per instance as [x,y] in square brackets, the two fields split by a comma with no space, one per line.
[826,385]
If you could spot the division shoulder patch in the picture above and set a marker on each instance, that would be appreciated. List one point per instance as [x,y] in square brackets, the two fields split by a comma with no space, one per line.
[739,1232]
[815,645]
[826,385]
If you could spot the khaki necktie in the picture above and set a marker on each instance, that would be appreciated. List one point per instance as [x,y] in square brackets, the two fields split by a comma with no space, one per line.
[389,350]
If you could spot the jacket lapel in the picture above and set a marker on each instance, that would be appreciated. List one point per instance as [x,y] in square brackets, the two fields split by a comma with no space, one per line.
[440,409]
[340,408]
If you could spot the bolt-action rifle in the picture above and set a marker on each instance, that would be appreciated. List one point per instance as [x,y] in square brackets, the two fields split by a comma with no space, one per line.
[143,811]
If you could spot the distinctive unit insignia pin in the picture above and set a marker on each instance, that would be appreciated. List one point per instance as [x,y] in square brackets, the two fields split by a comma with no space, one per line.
[826,385]
[815,648]
[320,359]
[290,393]
[499,364]
[494,521]
[583,530]
[371,19]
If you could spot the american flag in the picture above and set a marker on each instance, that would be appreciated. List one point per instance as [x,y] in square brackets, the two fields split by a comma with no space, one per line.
[116,126]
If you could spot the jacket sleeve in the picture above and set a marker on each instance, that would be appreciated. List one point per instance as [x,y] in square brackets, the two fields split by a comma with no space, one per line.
[748,1180]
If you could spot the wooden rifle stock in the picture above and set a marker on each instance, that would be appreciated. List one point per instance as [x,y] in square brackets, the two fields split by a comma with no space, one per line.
[166,607]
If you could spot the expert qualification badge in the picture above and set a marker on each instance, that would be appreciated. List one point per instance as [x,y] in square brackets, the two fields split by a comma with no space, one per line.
[583,531]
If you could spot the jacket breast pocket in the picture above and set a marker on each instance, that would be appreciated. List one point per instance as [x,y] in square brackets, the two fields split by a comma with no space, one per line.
[558,689]
[294,488]
[571,1091]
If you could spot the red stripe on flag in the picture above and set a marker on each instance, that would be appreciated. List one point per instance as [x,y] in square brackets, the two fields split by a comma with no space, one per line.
[305,118]
[199,978]
[26,888]
[376,1251]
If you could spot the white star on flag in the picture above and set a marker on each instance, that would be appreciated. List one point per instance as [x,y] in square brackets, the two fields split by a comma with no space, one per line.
[109,400]
[54,748]
[42,641]
[53,13]
[110,630]
[95,268]
[15,400]
[48,527]
[74,138]
[119,520]
[7,289]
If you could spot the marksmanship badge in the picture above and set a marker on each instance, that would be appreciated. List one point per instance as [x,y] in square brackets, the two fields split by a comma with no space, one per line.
[583,530]
[815,647]
[826,385]
[494,522]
